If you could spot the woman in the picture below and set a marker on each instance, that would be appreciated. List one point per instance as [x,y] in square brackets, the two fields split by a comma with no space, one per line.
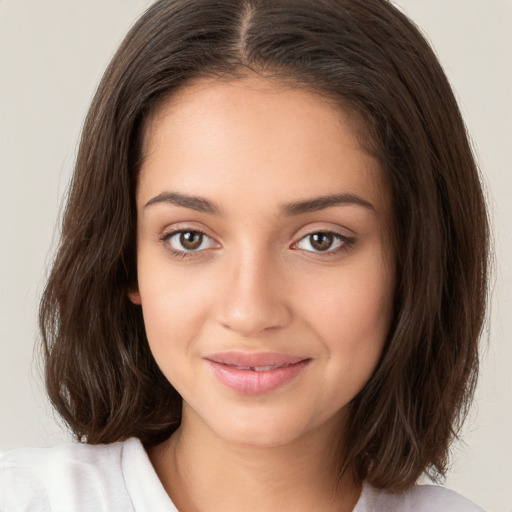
[272,269]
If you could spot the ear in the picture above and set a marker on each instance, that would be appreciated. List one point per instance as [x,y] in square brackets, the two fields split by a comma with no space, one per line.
[134,295]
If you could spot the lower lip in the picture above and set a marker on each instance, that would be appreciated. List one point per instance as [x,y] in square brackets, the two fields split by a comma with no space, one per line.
[251,382]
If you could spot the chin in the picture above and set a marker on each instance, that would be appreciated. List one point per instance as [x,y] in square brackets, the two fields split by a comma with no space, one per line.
[262,430]
[260,437]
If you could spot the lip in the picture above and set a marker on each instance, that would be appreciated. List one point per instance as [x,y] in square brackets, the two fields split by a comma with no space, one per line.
[257,372]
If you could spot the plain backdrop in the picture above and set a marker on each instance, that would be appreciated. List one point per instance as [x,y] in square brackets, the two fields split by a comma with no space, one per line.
[52,55]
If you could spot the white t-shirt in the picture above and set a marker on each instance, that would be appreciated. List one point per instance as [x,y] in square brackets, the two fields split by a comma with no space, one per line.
[120,478]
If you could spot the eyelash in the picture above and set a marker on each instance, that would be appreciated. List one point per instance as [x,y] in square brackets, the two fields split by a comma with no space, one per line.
[175,252]
[345,243]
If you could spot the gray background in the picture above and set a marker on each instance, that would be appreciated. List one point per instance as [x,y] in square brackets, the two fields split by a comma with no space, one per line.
[52,54]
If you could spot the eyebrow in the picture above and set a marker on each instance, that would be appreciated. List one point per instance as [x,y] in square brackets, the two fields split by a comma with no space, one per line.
[192,202]
[320,203]
[314,204]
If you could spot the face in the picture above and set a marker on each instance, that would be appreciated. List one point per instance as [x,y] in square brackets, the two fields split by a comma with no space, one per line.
[265,273]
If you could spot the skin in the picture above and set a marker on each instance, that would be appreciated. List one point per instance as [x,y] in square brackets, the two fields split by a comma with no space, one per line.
[257,283]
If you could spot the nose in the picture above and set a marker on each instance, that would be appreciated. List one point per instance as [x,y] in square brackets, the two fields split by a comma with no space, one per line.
[253,296]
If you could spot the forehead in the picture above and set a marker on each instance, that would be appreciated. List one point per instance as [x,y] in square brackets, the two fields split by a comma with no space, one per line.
[205,99]
[213,137]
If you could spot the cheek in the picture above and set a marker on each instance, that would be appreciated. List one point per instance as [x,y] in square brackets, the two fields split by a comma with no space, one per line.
[174,307]
[173,321]
[360,297]
[351,312]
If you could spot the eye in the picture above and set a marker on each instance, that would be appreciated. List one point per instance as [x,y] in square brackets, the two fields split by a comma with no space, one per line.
[183,242]
[323,241]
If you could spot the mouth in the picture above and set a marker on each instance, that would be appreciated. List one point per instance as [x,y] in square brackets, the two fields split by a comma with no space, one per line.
[260,368]
[255,373]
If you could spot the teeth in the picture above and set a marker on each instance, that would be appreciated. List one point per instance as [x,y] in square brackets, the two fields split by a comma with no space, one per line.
[263,368]
[258,368]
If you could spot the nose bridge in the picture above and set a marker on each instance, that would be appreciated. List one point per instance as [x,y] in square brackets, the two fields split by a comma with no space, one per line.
[252,301]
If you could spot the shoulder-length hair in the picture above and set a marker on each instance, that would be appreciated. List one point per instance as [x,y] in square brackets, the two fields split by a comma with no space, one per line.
[372,60]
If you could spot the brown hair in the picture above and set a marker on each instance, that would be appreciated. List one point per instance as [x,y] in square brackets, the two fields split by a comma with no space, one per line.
[370,58]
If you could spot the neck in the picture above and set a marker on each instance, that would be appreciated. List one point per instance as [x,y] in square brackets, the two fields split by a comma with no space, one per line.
[203,473]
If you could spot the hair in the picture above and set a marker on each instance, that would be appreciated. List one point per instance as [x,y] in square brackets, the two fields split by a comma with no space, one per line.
[372,60]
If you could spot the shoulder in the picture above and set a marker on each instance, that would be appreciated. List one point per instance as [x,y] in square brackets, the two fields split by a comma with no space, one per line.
[440,496]
[34,479]
[420,498]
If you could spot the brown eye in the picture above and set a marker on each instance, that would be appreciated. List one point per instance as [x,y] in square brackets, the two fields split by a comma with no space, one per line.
[324,241]
[191,240]
[185,242]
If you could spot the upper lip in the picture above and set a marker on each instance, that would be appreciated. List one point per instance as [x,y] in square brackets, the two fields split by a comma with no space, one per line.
[254,359]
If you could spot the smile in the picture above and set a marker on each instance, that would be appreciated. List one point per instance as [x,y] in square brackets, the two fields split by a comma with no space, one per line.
[259,368]
[255,373]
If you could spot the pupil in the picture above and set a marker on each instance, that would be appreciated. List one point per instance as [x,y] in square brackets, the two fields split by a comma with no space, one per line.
[321,241]
[191,239]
